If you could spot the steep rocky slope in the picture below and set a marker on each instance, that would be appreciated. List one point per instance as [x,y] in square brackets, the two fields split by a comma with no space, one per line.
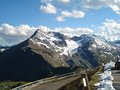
[49,53]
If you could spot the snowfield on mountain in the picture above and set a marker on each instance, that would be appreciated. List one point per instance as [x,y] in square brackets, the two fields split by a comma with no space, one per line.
[50,53]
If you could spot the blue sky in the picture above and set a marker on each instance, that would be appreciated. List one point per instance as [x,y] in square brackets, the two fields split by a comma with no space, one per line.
[18,12]
[72,13]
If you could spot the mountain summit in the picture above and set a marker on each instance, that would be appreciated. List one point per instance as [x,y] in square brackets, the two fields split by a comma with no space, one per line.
[48,53]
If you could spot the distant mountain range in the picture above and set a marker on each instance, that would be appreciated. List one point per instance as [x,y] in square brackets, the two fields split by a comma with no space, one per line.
[49,53]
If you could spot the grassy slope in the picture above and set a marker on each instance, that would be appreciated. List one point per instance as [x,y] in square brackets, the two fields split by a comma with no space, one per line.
[7,85]
[95,78]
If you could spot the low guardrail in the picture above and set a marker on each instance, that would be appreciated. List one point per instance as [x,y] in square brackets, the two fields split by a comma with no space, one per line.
[30,85]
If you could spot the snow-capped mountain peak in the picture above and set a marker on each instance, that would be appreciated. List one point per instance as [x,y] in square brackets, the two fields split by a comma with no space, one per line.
[48,52]
[93,41]
[55,40]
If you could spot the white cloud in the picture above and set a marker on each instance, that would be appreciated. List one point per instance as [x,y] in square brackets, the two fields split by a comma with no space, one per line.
[44,28]
[46,1]
[64,1]
[97,4]
[73,14]
[77,14]
[110,30]
[49,8]
[116,8]
[66,14]
[21,30]
[14,34]
[60,18]
[73,31]
[78,6]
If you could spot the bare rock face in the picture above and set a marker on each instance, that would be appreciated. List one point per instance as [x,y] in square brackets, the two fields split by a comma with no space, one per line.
[48,53]
[95,50]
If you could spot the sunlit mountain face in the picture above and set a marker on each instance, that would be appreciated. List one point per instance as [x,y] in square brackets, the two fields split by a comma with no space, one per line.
[47,53]
[43,38]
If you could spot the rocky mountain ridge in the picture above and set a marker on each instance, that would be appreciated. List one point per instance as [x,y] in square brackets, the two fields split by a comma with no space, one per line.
[49,53]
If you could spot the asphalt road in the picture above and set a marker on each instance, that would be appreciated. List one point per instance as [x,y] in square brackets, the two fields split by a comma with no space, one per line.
[55,85]
[116,81]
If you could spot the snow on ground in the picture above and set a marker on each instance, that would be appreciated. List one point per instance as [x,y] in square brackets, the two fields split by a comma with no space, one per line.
[106,78]
[109,65]
[71,46]
[40,43]
[65,51]
[102,43]
[2,50]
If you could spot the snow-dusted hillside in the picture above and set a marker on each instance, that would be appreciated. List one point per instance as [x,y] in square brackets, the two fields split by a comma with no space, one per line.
[56,41]
[52,53]
[61,47]
[90,50]
[105,78]
[94,48]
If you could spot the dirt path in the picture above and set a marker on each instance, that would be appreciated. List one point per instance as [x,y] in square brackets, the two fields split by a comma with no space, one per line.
[55,85]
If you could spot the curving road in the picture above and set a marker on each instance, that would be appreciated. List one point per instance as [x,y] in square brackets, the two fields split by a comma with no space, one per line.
[55,85]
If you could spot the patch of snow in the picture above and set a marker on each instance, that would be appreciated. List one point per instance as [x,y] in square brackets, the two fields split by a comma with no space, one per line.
[94,45]
[109,65]
[101,43]
[71,48]
[106,75]
[55,39]
[103,55]
[2,50]
[47,36]
[40,43]
[109,53]
[105,85]
[65,51]
[72,45]
[106,78]
[90,48]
